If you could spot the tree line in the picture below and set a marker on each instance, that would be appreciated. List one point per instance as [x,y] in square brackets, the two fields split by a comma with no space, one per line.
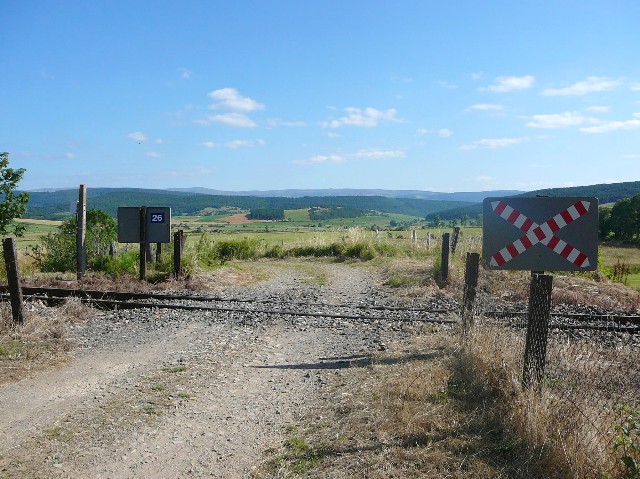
[622,220]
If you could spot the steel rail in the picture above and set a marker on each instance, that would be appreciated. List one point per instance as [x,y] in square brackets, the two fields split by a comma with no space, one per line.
[131,300]
[115,304]
[125,295]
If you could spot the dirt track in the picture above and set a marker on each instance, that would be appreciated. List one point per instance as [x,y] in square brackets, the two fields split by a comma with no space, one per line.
[157,394]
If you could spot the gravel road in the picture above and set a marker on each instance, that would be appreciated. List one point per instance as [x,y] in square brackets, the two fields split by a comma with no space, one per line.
[169,394]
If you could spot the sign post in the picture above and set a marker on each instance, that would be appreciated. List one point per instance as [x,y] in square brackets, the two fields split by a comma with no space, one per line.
[144,225]
[539,234]
[81,231]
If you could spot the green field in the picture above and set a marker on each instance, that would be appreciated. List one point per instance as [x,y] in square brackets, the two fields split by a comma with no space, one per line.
[36,229]
[298,230]
[628,256]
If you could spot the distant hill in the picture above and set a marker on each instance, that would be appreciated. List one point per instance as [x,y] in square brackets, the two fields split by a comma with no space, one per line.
[605,192]
[52,204]
[55,203]
[471,197]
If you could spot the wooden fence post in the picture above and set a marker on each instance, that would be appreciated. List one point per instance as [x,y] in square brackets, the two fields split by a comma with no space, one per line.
[444,258]
[143,243]
[454,240]
[535,351]
[178,247]
[470,286]
[148,252]
[81,233]
[158,252]
[13,279]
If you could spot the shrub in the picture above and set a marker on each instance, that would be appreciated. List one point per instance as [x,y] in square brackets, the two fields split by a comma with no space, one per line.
[57,251]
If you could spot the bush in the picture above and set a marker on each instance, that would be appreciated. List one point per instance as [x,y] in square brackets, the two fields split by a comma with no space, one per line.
[57,251]
[117,266]
[210,252]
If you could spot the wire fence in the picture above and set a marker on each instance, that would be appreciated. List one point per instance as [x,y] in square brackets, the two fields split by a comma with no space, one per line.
[578,403]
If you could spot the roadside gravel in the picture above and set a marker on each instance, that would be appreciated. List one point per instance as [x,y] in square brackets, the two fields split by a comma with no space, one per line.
[162,394]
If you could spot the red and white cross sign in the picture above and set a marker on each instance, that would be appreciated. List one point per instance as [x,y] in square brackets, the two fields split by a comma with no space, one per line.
[544,233]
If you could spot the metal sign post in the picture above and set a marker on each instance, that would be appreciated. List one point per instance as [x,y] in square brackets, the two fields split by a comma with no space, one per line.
[539,234]
[144,225]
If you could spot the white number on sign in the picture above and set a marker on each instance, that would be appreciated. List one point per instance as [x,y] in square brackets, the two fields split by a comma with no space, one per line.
[157,217]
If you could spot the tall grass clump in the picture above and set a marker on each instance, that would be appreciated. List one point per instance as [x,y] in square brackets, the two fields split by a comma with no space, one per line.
[210,252]
[570,419]
[43,339]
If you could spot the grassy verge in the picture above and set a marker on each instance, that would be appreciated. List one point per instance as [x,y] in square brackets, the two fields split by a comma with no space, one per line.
[409,414]
[433,410]
[40,342]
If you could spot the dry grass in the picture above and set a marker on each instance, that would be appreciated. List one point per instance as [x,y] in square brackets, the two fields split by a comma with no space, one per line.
[41,342]
[432,410]
[409,414]
[570,419]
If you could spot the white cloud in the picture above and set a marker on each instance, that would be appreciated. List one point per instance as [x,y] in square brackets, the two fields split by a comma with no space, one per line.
[230,99]
[447,85]
[243,143]
[188,173]
[319,159]
[507,84]
[608,126]
[559,120]
[71,155]
[152,154]
[367,118]
[275,122]
[138,136]
[590,85]
[630,157]
[232,119]
[485,107]
[379,154]
[159,141]
[476,75]
[185,74]
[442,132]
[494,143]
[209,144]
[397,79]
[599,109]
[635,87]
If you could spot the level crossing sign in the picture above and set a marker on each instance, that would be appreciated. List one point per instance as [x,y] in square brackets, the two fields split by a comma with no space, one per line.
[540,234]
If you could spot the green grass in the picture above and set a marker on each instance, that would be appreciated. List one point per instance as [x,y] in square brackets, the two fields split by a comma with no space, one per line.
[626,255]
[10,348]
[33,233]
[297,215]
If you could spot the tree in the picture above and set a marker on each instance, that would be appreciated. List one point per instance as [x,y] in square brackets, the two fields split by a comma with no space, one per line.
[13,205]
[623,220]
[604,222]
[57,251]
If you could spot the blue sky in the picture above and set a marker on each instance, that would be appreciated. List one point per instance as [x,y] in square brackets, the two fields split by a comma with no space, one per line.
[241,95]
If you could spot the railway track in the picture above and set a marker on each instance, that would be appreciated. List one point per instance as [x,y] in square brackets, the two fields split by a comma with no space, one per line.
[130,300]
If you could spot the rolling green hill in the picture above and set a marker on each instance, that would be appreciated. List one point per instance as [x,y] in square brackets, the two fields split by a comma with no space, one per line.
[56,204]
[53,204]
[605,192]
